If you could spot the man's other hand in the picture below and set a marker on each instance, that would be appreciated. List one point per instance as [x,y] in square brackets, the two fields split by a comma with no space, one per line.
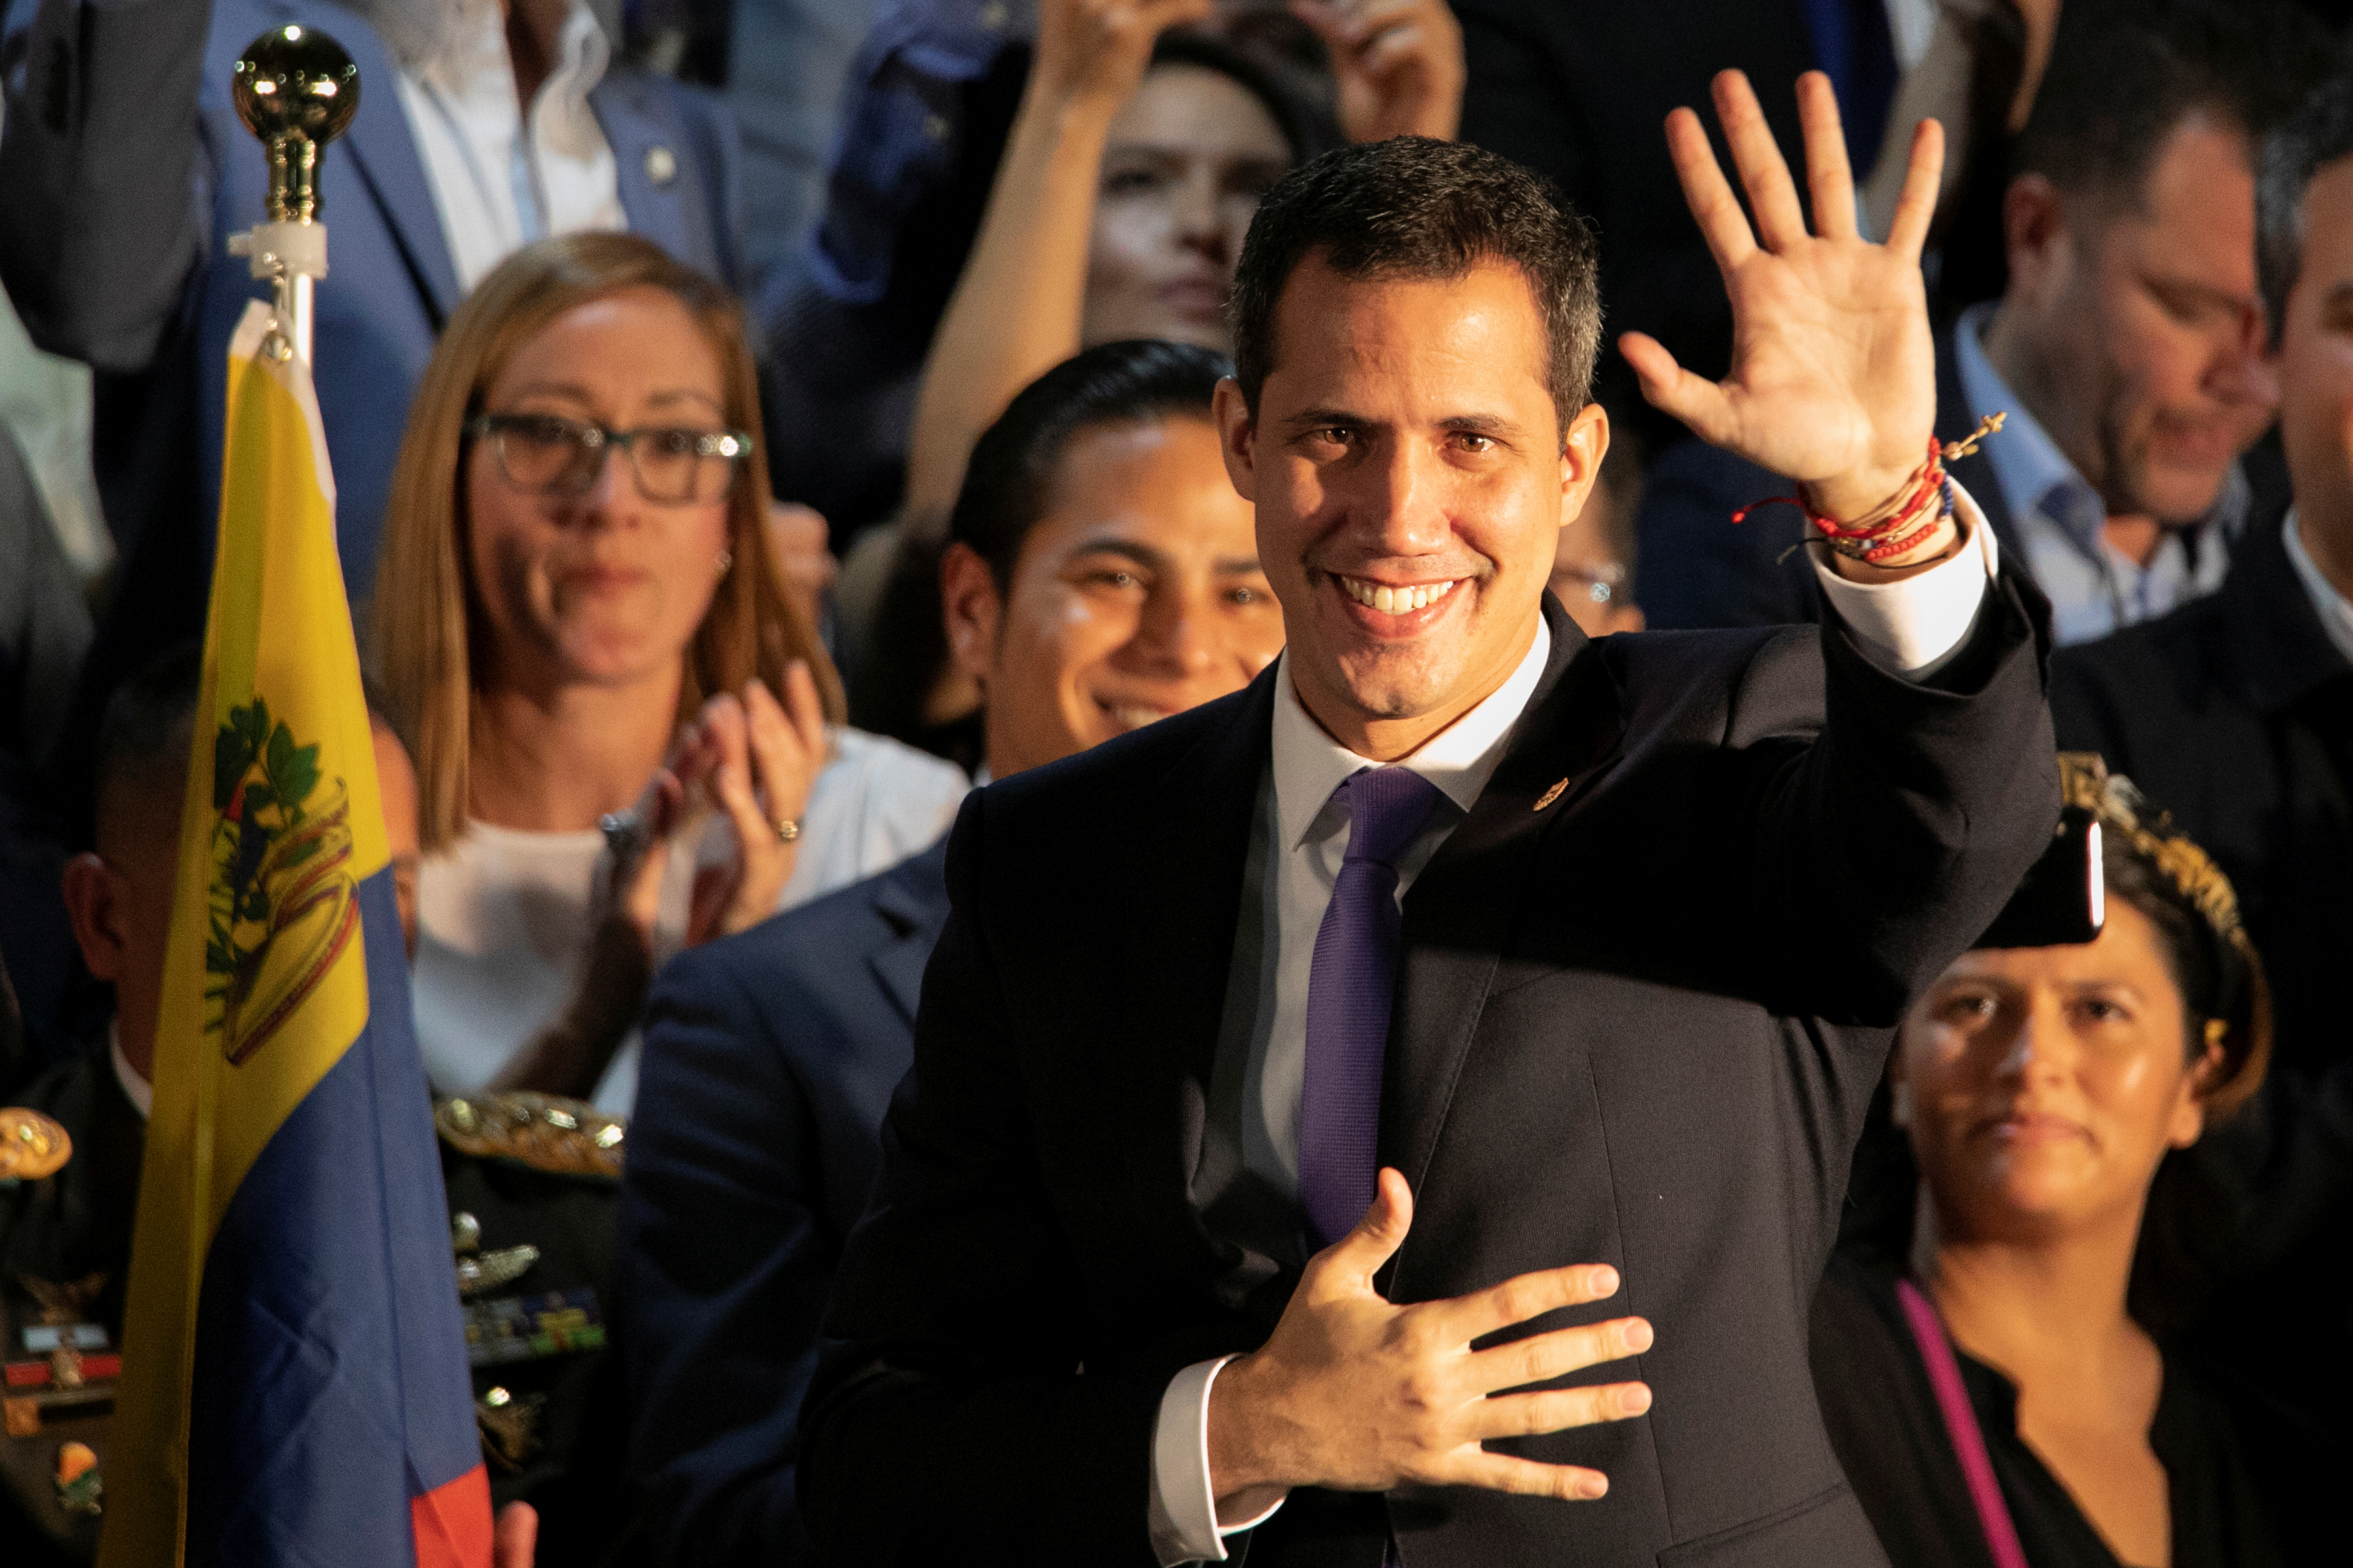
[1356,1395]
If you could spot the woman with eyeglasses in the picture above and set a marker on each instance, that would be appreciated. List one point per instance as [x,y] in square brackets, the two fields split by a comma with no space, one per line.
[627,736]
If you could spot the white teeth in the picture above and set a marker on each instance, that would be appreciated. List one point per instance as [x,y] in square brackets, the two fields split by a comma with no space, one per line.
[1396,600]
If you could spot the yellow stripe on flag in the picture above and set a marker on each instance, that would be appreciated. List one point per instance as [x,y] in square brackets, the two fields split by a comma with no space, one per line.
[265,987]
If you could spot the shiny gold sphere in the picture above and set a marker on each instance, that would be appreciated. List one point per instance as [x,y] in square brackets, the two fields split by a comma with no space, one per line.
[296,78]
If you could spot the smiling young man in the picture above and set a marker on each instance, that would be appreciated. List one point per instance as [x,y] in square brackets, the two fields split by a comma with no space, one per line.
[1287,1148]
[1101,576]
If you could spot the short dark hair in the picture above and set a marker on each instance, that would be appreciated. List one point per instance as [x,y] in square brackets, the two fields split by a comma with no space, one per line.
[1008,483]
[144,736]
[2317,135]
[1417,208]
[2124,73]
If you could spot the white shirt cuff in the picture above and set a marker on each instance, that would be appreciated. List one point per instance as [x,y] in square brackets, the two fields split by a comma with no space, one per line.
[1185,1527]
[1919,622]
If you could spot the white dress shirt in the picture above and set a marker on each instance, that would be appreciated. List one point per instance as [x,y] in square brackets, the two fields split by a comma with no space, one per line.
[1917,622]
[2336,613]
[503,178]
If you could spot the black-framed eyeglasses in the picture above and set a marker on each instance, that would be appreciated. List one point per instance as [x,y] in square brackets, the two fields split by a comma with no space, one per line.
[545,454]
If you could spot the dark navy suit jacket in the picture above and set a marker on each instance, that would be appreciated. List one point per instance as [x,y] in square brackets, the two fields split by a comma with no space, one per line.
[769,1059]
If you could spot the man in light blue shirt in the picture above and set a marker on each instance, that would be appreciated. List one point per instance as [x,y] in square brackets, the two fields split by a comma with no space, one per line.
[2128,349]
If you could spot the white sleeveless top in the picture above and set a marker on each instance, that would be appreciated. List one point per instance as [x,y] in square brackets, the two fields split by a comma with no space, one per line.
[503,916]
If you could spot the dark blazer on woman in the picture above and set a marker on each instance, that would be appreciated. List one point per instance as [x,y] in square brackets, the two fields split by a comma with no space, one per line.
[1646,989]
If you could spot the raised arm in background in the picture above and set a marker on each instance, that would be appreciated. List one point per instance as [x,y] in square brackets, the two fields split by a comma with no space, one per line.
[1021,305]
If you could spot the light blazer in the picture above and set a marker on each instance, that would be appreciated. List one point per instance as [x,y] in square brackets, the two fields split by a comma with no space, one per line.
[127,169]
[1639,1025]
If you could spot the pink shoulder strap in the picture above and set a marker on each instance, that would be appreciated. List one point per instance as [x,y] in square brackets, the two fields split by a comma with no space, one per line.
[1961,1427]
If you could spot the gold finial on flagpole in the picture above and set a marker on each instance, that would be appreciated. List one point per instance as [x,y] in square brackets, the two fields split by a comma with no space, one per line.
[296,89]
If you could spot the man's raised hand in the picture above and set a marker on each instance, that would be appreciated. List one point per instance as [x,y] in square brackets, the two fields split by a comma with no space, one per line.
[1834,379]
[1353,1394]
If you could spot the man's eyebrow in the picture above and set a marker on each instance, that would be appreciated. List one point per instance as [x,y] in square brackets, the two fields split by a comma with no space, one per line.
[1236,565]
[1481,424]
[1142,554]
[1317,418]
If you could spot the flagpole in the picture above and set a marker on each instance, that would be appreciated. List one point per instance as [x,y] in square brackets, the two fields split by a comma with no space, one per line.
[297,90]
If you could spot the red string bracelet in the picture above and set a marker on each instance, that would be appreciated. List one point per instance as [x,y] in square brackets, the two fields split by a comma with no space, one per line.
[1920,507]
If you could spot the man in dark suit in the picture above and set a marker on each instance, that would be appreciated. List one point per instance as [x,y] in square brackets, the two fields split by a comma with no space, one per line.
[2238,712]
[1101,574]
[2125,351]
[1181,1032]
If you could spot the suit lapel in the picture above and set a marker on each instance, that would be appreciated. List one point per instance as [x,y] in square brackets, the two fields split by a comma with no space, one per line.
[1181,944]
[899,964]
[1461,908]
[639,153]
[385,149]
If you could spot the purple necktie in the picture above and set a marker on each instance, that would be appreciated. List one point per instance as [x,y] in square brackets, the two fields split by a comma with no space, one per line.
[1350,986]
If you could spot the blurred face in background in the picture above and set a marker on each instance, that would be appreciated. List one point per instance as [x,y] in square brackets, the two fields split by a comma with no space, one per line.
[2136,332]
[605,587]
[1136,596]
[2041,1086]
[1592,569]
[1189,156]
[2316,367]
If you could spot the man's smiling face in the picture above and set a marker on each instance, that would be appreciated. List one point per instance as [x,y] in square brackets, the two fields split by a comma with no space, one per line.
[1411,479]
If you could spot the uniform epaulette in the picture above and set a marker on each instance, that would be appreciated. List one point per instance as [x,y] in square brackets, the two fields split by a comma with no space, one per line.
[31,1145]
[544,1131]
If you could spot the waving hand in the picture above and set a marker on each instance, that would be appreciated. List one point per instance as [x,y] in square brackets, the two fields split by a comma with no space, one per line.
[1833,372]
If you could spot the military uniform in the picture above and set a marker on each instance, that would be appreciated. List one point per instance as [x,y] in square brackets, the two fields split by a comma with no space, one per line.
[65,1244]
[532,1184]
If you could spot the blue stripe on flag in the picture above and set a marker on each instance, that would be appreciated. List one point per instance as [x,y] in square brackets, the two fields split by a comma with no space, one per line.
[330,1379]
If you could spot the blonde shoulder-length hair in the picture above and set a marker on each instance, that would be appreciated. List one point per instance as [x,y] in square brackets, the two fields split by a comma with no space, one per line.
[427,610]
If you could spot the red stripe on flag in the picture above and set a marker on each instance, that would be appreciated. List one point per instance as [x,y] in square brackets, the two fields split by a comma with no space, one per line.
[452,1522]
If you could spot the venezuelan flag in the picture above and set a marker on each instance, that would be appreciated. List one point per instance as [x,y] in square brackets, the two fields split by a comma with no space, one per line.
[294,1386]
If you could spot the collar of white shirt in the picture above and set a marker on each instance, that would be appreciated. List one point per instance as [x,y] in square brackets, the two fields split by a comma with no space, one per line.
[136,1090]
[2336,614]
[1309,764]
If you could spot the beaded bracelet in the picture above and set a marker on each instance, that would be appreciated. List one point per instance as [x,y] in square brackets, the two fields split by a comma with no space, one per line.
[1890,532]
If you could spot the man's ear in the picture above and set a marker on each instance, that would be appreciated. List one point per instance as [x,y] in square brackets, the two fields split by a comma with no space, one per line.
[1237,437]
[971,609]
[1582,449]
[94,905]
[2036,237]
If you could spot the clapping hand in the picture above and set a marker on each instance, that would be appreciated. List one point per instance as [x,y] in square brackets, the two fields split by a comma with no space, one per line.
[757,759]
[1398,65]
[1353,1394]
[1833,372]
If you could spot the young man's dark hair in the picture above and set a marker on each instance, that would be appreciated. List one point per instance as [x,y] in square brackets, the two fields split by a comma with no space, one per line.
[1008,484]
[1413,208]
[2318,134]
[2124,73]
[144,734]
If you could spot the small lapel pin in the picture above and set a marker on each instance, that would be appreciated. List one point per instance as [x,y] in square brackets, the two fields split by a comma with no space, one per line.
[1551,794]
[661,166]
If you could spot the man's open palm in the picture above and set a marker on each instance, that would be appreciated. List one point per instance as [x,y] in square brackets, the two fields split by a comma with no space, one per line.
[1833,372]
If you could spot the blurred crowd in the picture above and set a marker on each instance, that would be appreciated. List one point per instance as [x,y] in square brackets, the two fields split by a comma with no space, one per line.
[754,422]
